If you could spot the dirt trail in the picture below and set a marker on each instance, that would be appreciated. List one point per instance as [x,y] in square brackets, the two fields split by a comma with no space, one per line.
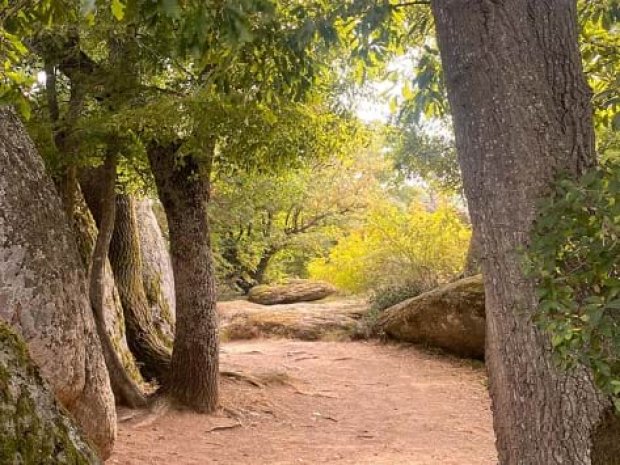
[339,403]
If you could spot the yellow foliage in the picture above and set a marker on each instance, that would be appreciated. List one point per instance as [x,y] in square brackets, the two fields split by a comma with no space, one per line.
[394,246]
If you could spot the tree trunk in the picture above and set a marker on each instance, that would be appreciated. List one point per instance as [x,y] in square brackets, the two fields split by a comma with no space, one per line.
[146,343]
[184,191]
[521,112]
[34,429]
[258,275]
[43,291]
[85,230]
[124,387]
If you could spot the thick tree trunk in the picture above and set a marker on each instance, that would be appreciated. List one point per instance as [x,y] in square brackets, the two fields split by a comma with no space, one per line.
[146,343]
[125,389]
[43,292]
[521,111]
[34,429]
[184,191]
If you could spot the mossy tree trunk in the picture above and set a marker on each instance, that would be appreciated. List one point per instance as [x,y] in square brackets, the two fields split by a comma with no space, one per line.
[183,187]
[126,390]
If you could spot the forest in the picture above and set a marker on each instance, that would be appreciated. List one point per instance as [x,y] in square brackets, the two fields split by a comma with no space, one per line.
[364,232]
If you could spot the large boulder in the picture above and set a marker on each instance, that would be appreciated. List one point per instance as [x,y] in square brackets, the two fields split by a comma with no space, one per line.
[43,290]
[333,320]
[450,317]
[86,232]
[298,290]
[34,429]
[157,272]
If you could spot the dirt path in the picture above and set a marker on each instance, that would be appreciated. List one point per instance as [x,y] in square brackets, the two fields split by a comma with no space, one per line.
[341,403]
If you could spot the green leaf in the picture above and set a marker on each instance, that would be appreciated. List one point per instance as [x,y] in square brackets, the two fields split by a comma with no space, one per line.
[118,9]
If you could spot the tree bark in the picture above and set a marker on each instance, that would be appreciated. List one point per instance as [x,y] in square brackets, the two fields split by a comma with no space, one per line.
[183,187]
[148,346]
[258,275]
[123,386]
[521,112]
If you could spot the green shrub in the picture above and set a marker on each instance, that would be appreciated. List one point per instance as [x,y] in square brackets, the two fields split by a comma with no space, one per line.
[395,245]
[387,296]
[575,258]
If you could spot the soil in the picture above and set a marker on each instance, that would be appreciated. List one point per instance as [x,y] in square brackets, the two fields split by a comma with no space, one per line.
[293,402]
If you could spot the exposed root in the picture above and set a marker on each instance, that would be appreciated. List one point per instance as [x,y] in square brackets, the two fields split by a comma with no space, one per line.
[159,406]
[239,376]
[224,427]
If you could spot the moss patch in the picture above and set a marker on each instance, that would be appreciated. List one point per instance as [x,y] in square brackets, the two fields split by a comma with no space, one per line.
[34,429]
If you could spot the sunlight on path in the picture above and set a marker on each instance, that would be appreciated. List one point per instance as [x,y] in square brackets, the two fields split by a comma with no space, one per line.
[334,403]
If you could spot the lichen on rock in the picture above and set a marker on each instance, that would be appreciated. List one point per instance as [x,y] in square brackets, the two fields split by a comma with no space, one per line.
[34,428]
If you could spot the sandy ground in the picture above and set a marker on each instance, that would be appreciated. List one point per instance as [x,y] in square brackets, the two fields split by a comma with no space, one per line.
[351,403]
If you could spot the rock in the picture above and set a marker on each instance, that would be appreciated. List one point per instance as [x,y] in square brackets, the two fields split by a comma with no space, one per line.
[85,230]
[156,269]
[43,290]
[299,290]
[33,427]
[450,317]
[338,320]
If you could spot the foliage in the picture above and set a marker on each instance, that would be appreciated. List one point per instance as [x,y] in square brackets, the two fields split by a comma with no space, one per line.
[388,296]
[268,225]
[396,245]
[600,45]
[575,258]
[431,157]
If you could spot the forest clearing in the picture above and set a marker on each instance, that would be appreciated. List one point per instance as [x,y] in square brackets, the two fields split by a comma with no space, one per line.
[373,232]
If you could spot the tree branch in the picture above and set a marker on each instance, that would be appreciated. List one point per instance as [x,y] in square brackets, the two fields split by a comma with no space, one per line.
[414,3]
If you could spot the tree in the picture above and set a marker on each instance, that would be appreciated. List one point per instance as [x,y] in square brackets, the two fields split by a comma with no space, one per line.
[522,114]
[261,219]
[147,344]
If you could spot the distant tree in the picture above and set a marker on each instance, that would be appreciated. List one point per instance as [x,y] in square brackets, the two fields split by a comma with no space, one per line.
[258,217]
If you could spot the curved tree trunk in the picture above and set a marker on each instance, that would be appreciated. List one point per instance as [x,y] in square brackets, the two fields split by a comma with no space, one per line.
[258,275]
[521,112]
[43,292]
[147,344]
[85,231]
[126,390]
[33,426]
[184,191]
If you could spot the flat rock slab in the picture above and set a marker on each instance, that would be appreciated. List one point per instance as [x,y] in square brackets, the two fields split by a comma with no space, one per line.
[338,319]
